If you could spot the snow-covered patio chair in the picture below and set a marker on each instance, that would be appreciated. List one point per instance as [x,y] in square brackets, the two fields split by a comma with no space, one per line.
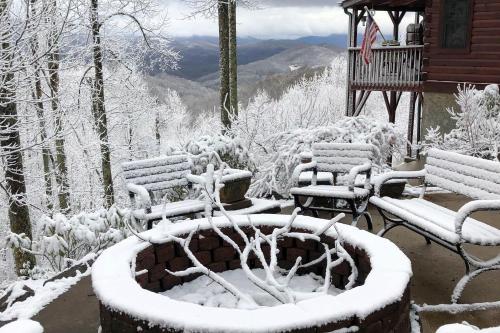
[346,160]
[469,176]
[148,180]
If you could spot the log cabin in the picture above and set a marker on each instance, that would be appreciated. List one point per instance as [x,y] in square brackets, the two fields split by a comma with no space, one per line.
[448,43]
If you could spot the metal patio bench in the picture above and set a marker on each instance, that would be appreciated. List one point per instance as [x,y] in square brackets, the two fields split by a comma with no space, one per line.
[342,160]
[147,182]
[469,176]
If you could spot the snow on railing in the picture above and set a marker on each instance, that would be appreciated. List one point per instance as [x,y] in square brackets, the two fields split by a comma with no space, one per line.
[391,67]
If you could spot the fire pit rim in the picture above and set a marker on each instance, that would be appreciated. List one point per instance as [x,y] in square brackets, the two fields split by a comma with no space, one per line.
[112,273]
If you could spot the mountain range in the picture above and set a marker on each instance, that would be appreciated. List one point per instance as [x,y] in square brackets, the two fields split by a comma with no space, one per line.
[271,65]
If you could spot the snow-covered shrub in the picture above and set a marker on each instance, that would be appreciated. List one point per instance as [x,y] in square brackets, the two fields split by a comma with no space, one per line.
[477,130]
[60,241]
[280,153]
[309,103]
[229,149]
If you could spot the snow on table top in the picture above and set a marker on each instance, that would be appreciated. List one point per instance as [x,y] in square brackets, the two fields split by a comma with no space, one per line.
[115,286]
[463,328]
[330,191]
[22,326]
[258,206]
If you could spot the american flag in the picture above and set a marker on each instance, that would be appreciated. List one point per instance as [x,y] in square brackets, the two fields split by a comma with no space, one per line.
[369,39]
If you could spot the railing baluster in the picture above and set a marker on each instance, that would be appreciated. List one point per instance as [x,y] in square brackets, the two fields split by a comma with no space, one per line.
[390,68]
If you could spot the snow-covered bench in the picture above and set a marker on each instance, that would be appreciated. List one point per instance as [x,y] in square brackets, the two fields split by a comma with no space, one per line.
[338,159]
[146,177]
[473,177]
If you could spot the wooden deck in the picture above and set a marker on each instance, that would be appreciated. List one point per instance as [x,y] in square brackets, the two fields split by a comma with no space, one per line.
[393,68]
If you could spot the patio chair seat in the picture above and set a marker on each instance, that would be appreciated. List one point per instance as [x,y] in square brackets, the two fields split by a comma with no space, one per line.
[438,220]
[330,191]
[171,209]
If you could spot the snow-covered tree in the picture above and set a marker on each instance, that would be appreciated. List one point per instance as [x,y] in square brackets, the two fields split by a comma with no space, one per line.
[477,130]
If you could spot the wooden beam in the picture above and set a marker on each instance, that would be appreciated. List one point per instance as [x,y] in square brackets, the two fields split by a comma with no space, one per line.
[362,103]
[411,123]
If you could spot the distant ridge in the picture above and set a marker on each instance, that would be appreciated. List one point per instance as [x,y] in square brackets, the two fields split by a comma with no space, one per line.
[200,54]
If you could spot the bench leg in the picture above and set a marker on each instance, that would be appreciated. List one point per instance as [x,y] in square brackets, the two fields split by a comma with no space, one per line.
[459,288]
[368,218]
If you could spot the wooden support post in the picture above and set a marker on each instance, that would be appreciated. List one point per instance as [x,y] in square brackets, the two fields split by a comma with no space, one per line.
[355,19]
[419,120]
[361,102]
[391,103]
[411,122]
[396,18]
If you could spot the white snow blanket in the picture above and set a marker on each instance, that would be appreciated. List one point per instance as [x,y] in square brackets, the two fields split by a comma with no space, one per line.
[115,286]
[466,328]
[204,291]
[22,326]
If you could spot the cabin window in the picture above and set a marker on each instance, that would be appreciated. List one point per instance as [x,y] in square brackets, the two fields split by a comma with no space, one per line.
[456,24]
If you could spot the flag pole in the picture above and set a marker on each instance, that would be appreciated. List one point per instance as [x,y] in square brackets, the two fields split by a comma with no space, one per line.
[369,13]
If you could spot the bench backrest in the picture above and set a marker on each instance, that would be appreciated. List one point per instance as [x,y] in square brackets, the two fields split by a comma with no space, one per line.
[470,176]
[158,174]
[341,157]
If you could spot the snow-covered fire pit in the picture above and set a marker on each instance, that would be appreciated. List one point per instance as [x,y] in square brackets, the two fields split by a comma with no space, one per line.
[137,293]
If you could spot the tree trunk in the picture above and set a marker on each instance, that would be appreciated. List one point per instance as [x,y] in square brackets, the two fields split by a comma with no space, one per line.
[53,70]
[99,110]
[46,154]
[37,97]
[225,103]
[10,142]
[233,59]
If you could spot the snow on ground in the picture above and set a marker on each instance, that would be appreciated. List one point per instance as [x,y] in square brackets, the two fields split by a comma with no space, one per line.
[44,294]
[204,291]
[22,326]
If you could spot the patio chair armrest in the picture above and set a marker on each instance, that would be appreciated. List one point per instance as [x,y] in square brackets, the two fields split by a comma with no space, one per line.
[141,192]
[474,206]
[302,168]
[355,171]
[382,179]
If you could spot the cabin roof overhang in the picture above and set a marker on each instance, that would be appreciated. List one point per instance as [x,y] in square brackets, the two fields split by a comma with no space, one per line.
[386,5]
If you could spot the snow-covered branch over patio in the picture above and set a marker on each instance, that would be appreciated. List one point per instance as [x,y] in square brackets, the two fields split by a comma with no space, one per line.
[264,247]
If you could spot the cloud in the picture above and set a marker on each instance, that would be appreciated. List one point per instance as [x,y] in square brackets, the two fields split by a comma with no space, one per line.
[273,19]
[299,3]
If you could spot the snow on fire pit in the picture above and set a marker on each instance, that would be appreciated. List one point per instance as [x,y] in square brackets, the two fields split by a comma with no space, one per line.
[192,279]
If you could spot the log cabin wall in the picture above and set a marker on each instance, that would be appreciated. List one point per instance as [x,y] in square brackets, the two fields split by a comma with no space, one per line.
[478,63]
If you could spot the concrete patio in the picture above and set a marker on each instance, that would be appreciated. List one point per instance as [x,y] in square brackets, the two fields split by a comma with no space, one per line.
[436,271]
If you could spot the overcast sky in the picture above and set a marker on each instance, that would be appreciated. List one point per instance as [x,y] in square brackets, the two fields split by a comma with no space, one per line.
[274,19]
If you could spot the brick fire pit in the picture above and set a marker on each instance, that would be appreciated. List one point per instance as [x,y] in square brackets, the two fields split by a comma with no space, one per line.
[128,276]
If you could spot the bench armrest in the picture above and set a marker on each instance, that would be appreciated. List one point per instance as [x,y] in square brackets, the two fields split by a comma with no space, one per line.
[142,193]
[200,180]
[471,207]
[359,169]
[302,168]
[382,179]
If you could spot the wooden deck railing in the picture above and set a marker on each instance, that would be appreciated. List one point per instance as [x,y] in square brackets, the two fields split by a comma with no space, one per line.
[391,68]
